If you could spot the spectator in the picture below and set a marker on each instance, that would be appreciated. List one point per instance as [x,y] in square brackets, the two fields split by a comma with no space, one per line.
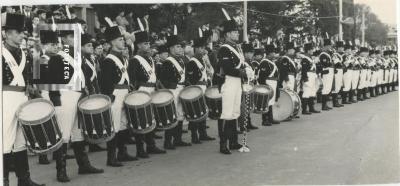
[121,20]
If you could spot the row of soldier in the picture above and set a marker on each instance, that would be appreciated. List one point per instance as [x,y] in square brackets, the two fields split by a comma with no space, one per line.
[347,71]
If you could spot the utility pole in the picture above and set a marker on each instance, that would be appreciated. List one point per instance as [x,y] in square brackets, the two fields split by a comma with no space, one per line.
[363,26]
[245,39]
[340,20]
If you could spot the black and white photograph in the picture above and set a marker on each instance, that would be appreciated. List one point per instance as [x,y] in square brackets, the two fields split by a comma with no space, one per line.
[199,93]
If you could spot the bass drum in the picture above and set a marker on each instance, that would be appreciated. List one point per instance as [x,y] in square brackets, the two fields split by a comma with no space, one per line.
[287,106]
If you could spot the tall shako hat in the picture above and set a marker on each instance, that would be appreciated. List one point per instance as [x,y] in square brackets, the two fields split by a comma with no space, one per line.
[112,31]
[14,21]
[51,35]
[269,47]
[173,40]
[229,24]
[201,41]
[290,44]
[327,40]
[142,35]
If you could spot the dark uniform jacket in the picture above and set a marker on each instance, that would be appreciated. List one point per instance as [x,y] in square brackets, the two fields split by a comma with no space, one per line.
[193,73]
[91,84]
[138,76]
[111,75]
[169,76]
[306,66]
[265,69]
[7,73]
[228,61]
[285,68]
[325,61]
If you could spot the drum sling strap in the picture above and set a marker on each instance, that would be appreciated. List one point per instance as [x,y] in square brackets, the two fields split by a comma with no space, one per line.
[122,66]
[15,68]
[178,67]
[93,68]
[201,67]
[238,55]
[70,60]
[149,69]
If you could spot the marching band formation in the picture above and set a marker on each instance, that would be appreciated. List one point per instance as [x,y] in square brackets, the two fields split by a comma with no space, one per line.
[137,96]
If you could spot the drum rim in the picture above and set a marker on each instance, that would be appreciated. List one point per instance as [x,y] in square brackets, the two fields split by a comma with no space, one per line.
[174,124]
[100,140]
[49,150]
[38,121]
[250,91]
[191,86]
[95,111]
[212,87]
[145,130]
[165,103]
[136,106]
[264,85]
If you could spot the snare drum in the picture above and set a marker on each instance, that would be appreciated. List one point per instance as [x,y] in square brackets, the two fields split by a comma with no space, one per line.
[139,112]
[39,125]
[214,102]
[262,95]
[193,103]
[96,118]
[164,109]
[287,106]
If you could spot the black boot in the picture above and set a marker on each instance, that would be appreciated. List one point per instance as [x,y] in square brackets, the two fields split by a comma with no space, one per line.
[377,93]
[319,97]
[140,152]
[203,136]
[311,104]
[193,127]
[344,97]
[111,153]
[335,100]
[82,159]
[359,95]
[22,169]
[233,140]
[222,137]
[168,139]
[383,89]
[7,161]
[264,118]
[43,160]
[351,97]
[394,86]
[178,142]
[371,91]
[388,87]
[304,104]
[61,164]
[364,93]
[122,155]
[270,116]
[324,104]
[96,148]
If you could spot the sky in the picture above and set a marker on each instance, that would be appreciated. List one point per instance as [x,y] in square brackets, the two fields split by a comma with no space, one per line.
[384,9]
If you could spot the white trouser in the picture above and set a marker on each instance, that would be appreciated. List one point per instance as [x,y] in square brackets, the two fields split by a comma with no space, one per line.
[368,78]
[386,80]
[380,76]
[309,86]
[395,75]
[363,79]
[391,75]
[374,79]
[347,77]
[289,84]
[67,115]
[338,81]
[327,80]
[13,137]
[178,104]
[318,83]
[355,79]
[231,92]
[117,109]
[273,84]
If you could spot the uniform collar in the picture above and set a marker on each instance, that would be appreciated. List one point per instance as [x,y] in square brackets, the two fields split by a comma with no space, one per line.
[11,48]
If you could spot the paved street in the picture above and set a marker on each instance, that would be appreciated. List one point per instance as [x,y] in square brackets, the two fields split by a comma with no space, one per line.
[357,144]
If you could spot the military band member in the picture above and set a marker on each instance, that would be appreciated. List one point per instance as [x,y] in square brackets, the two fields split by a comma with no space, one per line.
[196,74]
[395,67]
[16,81]
[248,53]
[142,72]
[268,74]
[231,61]
[379,67]
[374,73]
[172,77]
[363,84]
[116,86]
[392,64]
[337,58]
[258,56]
[327,72]
[385,68]
[287,68]
[347,74]
[308,78]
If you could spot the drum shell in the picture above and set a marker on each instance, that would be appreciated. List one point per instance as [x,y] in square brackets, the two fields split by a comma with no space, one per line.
[194,109]
[96,125]
[165,113]
[42,136]
[261,100]
[214,106]
[140,115]
[293,108]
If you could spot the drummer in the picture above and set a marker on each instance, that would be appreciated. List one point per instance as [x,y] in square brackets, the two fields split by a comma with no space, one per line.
[347,74]
[327,72]
[231,61]
[172,77]
[308,78]
[248,52]
[116,86]
[287,68]
[16,81]
[142,74]
[196,75]
[268,74]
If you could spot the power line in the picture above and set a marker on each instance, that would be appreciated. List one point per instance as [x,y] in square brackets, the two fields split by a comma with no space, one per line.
[277,15]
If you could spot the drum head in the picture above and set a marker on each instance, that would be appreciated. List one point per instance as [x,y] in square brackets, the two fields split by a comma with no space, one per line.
[247,87]
[35,110]
[94,103]
[262,89]
[283,108]
[213,93]
[161,96]
[137,98]
[190,93]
